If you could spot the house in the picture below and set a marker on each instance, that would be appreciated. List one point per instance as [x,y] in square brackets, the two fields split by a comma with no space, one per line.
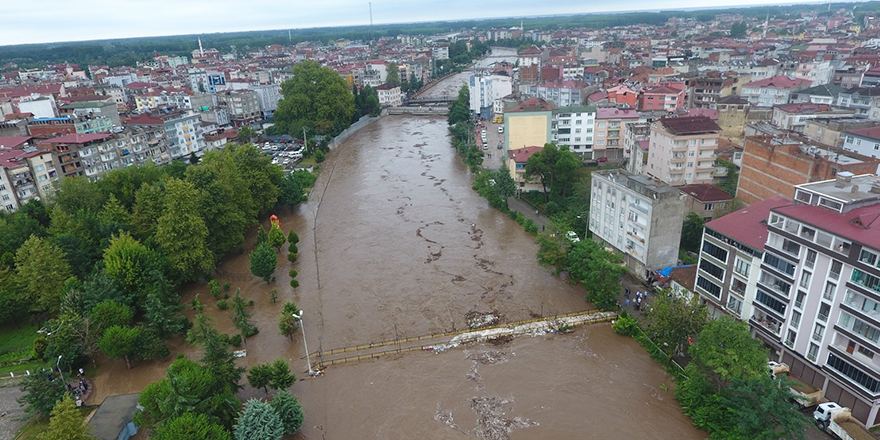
[682,150]
[864,100]
[864,141]
[772,91]
[389,96]
[830,131]
[622,96]
[669,97]
[821,94]
[637,217]
[705,91]
[705,199]
[681,280]
[113,419]
[610,129]
[530,56]
[183,130]
[793,116]
[26,172]
[516,163]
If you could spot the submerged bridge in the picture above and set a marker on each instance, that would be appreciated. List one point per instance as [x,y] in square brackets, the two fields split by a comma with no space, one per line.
[419,110]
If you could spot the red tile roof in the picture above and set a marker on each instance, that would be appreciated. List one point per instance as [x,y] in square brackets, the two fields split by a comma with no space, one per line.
[615,113]
[749,225]
[78,138]
[13,141]
[870,132]
[690,125]
[860,225]
[705,192]
[778,82]
[522,155]
[685,275]
[532,105]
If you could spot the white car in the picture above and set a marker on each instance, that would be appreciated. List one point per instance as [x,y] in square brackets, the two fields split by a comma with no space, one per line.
[572,237]
[501,129]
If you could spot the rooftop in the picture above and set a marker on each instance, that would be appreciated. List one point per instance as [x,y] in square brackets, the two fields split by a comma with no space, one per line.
[616,113]
[846,188]
[532,105]
[113,414]
[688,125]
[522,155]
[705,192]
[78,138]
[639,183]
[749,225]
[860,225]
[13,141]
[778,82]
[870,132]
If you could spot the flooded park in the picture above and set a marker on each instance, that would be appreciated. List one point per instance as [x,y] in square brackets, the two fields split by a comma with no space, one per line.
[396,244]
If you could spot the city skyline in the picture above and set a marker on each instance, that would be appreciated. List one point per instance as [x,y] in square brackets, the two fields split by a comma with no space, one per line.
[24,24]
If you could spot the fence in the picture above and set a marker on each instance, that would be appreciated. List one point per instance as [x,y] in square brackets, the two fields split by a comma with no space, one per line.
[361,123]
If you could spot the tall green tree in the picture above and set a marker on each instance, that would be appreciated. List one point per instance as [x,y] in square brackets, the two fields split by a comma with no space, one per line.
[314,96]
[149,205]
[598,270]
[288,322]
[120,342]
[738,30]
[276,237]
[258,421]
[182,234]
[41,393]
[191,427]
[257,174]
[260,376]
[725,350]
[241,317]
[115,214]
[218,357]
[66,423]
[670,320]
[246,134]
[392,76]
[692,232]
[556,168]
[226,212]
[282,378]
[289,411]
[731,180]
[759,409]
[41,270]
[129,263]
[263,262]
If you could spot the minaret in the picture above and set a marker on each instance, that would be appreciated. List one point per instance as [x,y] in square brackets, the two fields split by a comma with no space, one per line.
[201,51]
[766,25]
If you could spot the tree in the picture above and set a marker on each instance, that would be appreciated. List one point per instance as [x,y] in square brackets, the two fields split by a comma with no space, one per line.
[41,270]
[392,76]
[226,212]
[556,168]
[241,317]
[182,234]
[149,205]
[671,320]
[42,391]
[759,409]
[725,350]
[129,263]
[66,423]
[258,421]
[218,358]
[262,236]
[598,270]
[738,30]
[289,411]
[282,378]
[692,232]
[260,376]
[276,237]
[731,180]
[263,262]
[292,192]
[292,238]
[120,342]
[191,427]
[288,323]
[245,134]
[109,313]
[552,251]
[314,96]
[115,214]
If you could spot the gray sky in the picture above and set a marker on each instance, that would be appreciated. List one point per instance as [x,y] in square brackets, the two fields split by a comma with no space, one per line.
[56,20]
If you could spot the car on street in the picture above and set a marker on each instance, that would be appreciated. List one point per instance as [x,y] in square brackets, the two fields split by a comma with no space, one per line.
[572,237]
[501,129]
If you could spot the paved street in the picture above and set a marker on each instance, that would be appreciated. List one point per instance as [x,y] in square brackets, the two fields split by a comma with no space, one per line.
[10,412]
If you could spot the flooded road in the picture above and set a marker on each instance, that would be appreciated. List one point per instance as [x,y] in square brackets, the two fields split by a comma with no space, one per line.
[395,243]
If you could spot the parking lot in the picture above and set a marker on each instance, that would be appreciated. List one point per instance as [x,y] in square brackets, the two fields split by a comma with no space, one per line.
[285,154]
[492,155]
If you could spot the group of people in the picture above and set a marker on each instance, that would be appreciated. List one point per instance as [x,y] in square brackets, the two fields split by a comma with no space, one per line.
[79,390]
[638,301]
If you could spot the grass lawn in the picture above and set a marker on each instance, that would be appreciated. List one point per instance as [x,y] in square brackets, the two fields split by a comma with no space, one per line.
[308,162]
[21,337]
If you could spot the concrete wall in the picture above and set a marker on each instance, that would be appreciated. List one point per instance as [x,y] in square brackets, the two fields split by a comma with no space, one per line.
[526,130]
[666,221]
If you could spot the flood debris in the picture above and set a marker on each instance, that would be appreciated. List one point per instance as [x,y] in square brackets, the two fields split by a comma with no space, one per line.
[492,420]
[476,319]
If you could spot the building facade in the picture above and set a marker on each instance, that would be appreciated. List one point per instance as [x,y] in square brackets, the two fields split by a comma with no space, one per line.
[682,150]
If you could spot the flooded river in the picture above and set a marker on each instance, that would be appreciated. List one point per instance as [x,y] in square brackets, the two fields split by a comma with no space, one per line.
[395,243]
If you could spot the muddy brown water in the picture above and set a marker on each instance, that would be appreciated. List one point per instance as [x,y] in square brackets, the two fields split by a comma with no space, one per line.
[395,243]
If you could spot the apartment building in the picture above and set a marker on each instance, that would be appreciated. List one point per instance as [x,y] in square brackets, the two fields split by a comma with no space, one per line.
[794,116]
[26,172]
[528,124]
[183,130]
[774,165]
[573,126]
[705,91]
[636,139]
[565,93]
[731,253]
[865,141]
[609,133]
[772,91]
[91,155]
[818,292]
[242,106]
[830,131]
[638,217]
[864,100]
[669,97]
[682,150]
[390,95]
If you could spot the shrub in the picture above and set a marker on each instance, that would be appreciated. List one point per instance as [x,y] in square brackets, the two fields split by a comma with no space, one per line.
[293,273]
[234,340]
[293,249]
[251,331]
[530,227]
[294,283]
[222,305]
[625,325]
[513,214]
[226,286]
[214,287]
[226,295]
[291,258]
[273,294]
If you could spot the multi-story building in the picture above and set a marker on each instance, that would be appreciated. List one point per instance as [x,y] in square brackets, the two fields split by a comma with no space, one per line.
[242,106]
[609,133]
[183,131]
[389,96]
[705,199]
[26,172]
[636,141]
[516,163]
[528,124]
[773,165]
[705,91]
[819,289]
[573,126]
[564,93]
[669,97]
[682,150]
[637,216]
[794,116]
[864,100]
[731,253]
[91,155]
[772,91]
[865,141]
[830,131]
[268,95]
[91,109]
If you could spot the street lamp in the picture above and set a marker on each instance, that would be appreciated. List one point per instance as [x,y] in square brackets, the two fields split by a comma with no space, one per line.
[302,326]
[58,366]
[586,226]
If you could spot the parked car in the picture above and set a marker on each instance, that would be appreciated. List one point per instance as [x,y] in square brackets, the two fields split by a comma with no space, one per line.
[501,129]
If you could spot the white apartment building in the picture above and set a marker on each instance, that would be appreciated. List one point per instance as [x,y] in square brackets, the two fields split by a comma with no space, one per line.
[389,96]
[637,217]
[26,172]
[817,302]
[574,126]
[183,131]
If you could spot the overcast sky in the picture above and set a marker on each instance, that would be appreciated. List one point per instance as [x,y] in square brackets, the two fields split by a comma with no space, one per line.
[56,20]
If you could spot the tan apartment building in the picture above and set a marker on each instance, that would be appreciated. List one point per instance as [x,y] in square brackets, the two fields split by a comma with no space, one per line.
[773,165]
[682,150]
[528,124]
[609,134]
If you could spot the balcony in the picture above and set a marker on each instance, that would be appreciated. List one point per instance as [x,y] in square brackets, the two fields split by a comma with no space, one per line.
[719,172]
[766,323]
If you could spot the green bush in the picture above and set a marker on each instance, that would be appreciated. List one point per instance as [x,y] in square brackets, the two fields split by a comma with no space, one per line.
[226,286]
[625,325]
[214,287]
[294,283]
[291,257]
[293,273]
[513,214]
[530,226]
[293,249]
[222,305]
[251,331]
[234,340]
[226,296]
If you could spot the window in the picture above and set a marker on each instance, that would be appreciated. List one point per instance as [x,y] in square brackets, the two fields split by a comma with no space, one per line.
[709,286]
[824,310]
[734,304]
[856,375]
[715,251]
[836,267]
[805,279]
[707,207]
[811,258]
[741,267]
[712,269]
[868,258]
[795,319]
[770,302]
[865,352]
[818,332]
[828,293]
[738,286]
[779,264]
[865,280]
[813,352]
[790,337]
